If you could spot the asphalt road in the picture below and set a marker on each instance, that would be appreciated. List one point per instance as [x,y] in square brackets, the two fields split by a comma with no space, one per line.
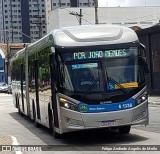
[24,132]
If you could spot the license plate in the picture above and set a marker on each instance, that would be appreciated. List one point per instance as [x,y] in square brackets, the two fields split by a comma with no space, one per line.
[108,123]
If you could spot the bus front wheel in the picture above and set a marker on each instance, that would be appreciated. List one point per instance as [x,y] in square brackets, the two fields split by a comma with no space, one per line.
[124,129]
[19,110]
[35,118]
[52,131]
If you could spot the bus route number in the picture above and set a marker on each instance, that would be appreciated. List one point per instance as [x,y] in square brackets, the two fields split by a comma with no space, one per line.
[125,106]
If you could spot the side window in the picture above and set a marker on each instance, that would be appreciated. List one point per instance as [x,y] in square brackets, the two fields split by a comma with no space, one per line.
[64,76]
[13,72]
[17,70]
[31,72]
[67,84]
[61,72]
[44,69]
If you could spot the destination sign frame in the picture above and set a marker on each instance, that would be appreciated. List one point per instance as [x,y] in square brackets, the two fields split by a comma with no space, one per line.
[100,54]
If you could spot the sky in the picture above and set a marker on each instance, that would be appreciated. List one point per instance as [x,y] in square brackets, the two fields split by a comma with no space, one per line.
[126,3]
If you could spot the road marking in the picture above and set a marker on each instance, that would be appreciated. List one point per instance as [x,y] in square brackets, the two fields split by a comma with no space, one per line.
[15,142]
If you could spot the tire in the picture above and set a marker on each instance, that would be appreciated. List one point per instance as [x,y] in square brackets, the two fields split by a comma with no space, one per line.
[51,125]
[16,102]
[19,111]
[124,129]
[35,118]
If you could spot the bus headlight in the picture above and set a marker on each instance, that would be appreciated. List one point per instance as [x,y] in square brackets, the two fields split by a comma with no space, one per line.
[141,99]
[67,104]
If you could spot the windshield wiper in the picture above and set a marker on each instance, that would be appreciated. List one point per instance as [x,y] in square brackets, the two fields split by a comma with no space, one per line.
[118,84]
[91,86]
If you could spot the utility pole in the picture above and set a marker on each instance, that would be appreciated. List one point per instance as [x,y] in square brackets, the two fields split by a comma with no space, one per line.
[7,39]
[11,18]
[27,80]
[96,11]
[59,3]
[78,15]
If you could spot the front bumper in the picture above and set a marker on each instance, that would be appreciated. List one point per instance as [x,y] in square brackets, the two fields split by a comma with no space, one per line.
[74,121]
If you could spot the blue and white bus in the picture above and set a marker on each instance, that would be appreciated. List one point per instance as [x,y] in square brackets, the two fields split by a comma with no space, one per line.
[84,77]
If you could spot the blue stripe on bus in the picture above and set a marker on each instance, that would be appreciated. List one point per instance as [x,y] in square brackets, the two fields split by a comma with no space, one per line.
[128,104]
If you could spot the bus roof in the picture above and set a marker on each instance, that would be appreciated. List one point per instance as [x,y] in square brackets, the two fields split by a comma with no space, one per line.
[87,35]
[84,35]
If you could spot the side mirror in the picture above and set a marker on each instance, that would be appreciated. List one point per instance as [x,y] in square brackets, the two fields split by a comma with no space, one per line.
[144,61]
[52,61]
[146,69]
[142,50]
[144,64]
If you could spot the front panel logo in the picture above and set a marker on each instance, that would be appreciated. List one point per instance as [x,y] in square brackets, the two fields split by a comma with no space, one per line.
[83,108]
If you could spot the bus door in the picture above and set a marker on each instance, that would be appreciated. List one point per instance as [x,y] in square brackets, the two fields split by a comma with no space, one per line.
[53,85]
[37,88]
[22,87]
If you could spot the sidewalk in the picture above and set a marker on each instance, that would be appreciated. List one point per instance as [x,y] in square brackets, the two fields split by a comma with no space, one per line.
[154,100]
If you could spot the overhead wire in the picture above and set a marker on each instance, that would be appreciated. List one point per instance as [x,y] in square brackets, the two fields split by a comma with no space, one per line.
[23,34]
[125,20]
[87,21]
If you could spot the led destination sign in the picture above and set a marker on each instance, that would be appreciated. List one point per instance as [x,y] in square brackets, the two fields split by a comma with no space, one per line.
[99,54]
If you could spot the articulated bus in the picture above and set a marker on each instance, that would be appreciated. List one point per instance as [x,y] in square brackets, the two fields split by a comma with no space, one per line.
[83,77]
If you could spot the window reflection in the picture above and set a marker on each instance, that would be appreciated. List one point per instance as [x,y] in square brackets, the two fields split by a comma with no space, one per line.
[80,77]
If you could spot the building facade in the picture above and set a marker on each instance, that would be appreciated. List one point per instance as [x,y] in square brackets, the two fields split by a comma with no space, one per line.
[71,3]
[128,16]
[52,5]
[6,53]
[24,19]
[150,37]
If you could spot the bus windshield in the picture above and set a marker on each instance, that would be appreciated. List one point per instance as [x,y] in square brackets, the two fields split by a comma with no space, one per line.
[126,72]
[79,77]
[95,74]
